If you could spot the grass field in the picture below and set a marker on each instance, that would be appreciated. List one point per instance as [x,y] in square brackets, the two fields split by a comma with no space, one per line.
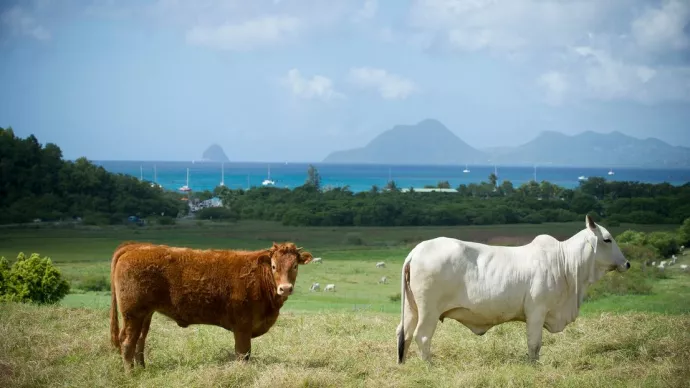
[345,338]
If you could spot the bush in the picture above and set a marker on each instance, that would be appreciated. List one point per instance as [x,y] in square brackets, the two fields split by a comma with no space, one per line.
[664,242]
[4,275]
[684,232]
[95,283]
[638,253]
[216,213]
[34,279]
[165,220]
[632,282]
[632,237]
[395,297]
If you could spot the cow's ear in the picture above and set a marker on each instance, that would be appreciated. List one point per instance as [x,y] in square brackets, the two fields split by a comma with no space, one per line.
[304,258]
[589,222]
[264,258]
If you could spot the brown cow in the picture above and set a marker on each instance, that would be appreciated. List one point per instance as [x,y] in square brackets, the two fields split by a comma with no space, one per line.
[241,291]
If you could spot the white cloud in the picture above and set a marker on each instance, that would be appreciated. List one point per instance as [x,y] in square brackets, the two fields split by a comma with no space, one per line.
[263,31]
[368,11]
[316,88]
[390,86]
[555,85]
[663,28]
[610,50]
[21,22]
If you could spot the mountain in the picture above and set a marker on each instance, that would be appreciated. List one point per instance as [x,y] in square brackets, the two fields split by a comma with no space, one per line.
[592,149]
[215,153]
[427,142]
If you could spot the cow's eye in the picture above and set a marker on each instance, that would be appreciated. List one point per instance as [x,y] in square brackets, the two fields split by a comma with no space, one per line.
[607,240]
[273,266]
[294,266]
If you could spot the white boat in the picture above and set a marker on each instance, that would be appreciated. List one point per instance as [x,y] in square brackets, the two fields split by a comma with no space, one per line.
[155,178]
[466,170]
[222,174]
[611,172]
[186,187]
[268,181]
[582,178]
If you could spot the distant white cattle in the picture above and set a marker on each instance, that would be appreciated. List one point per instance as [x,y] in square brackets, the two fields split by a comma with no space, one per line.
[329,287]
[542,284]
[684,267]
[383,280]
[317,260]
[653,263]
[314,287]
[380,264]
[662,264]
[682,248]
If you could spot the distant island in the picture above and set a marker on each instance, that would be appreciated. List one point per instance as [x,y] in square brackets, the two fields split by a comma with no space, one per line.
[215,153]
[430,142]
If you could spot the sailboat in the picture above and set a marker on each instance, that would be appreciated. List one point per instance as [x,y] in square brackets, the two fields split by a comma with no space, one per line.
[611,171]
[268,181]
[141,173]
[222,174]
[155,177]
[186,187]
[466,170]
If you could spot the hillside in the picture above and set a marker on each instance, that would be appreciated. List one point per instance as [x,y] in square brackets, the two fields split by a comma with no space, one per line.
[430,142]
[593,149]
[215,153]
[427,142]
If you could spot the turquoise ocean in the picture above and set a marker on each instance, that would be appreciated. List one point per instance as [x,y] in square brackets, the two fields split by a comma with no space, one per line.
[207,175]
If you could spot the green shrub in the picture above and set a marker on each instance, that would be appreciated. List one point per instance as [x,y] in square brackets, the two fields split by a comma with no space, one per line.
[684,232]
[632,237]
[4,275]
[632,282]
[638,253]
[216,213]
[395,297]
[665,243]
[95,283]
[162,220]
[34,279]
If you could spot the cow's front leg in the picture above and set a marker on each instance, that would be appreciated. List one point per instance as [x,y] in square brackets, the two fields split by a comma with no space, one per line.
[243,344]
[535,324]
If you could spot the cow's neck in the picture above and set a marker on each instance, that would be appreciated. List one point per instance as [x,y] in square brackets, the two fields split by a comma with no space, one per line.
[577,258]
[269,291]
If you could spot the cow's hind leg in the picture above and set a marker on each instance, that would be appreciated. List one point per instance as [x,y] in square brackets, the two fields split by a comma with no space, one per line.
[243,344]
[428,320]
[141,343]
[129,338]
[409,325]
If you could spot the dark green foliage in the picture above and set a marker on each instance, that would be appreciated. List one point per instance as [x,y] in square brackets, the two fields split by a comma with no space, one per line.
[32,279]
[35,182]
[684,233]
[395,297]
[216,213]
[165,220]
[664,244]
[95,283]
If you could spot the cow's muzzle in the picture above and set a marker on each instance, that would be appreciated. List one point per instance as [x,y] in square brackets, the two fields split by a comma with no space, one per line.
[285,289]
[623,267]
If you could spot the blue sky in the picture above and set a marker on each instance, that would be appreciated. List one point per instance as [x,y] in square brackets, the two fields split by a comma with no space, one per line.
[296,79]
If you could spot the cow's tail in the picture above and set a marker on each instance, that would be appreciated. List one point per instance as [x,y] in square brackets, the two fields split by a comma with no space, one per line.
[404,290]
[114,324]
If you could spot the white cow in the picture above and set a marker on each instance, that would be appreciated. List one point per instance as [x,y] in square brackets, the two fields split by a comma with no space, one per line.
[383,280]
[317,260]
[329,287]
[314,287]
[684,267]
[380,264]
[542,284]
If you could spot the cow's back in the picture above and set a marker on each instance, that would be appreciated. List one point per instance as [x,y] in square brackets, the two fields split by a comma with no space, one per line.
[189,286]
[490,281]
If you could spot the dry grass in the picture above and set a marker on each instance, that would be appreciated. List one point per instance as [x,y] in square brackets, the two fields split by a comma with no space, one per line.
[61,347]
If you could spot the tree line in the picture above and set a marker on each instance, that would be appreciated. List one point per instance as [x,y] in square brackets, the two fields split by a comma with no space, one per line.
[36,183]
[481,203]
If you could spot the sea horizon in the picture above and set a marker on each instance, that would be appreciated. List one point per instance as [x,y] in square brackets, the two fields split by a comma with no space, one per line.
[206,175]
